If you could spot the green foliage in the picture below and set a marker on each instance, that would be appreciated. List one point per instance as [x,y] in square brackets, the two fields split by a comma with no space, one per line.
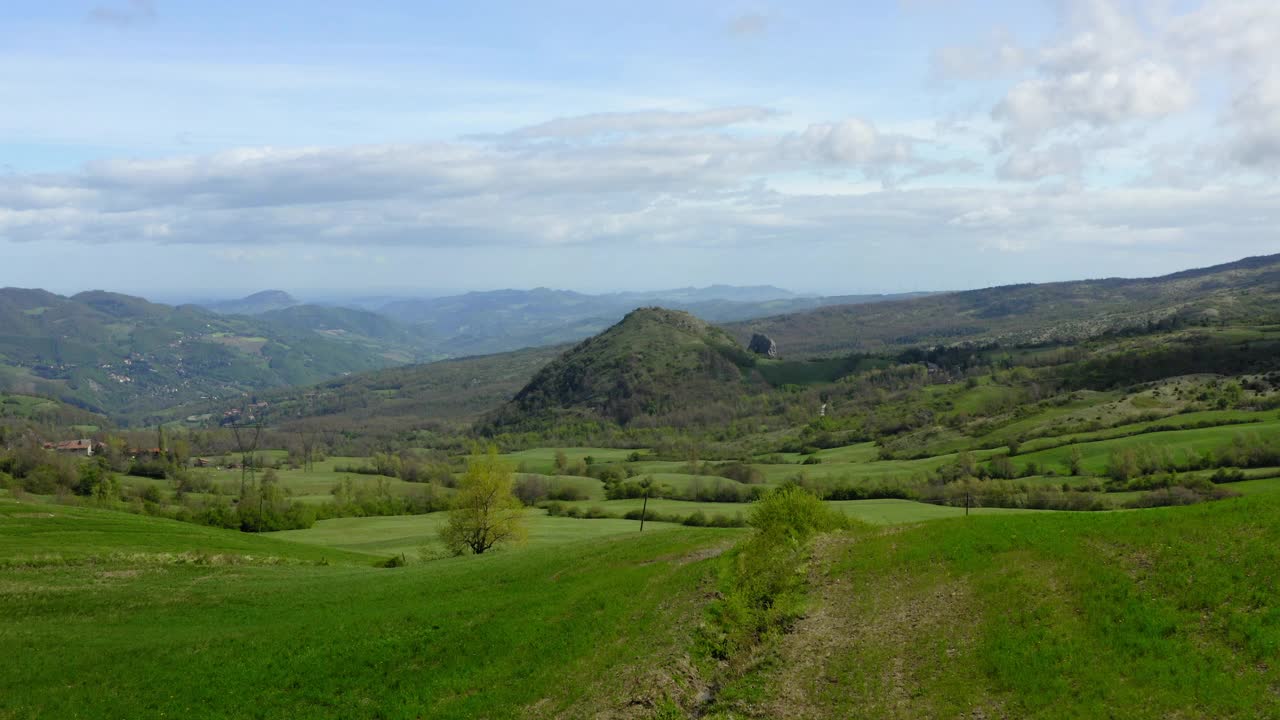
[131,358]
[763,589]
[1069,311]
[655,366]
[792,515]
[485,512]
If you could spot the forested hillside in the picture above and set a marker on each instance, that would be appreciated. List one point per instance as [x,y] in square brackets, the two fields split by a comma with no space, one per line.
[128,357]
[1246,290]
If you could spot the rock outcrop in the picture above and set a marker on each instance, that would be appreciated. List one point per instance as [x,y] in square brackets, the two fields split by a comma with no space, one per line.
[763,345]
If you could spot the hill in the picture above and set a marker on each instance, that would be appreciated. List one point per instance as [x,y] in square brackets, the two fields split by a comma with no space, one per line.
[655,363]
[732,293]
[127,357]
[1217,326]
[370,331]
[1246,290]
[500,320]
[254,304]
[400,401]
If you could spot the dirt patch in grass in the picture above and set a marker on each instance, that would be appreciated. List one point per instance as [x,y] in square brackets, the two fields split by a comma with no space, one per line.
[693,557]
[868,647]
[118,574]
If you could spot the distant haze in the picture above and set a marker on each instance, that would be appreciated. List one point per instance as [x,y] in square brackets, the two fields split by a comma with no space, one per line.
[209,150]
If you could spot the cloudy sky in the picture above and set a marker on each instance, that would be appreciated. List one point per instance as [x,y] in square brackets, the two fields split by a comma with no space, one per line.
[157,146]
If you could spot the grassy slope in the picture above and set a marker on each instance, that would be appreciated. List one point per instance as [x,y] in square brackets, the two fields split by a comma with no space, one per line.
[1150,614]
[39,535]
[412,534]
[458,638]
[1067,310]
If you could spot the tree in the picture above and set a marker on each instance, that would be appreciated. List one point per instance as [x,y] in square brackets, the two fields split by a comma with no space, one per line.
[1075,461]
[485,511]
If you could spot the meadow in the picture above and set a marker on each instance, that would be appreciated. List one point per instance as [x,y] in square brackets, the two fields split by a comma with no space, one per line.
[163,619]
[1148,614]
[917,611]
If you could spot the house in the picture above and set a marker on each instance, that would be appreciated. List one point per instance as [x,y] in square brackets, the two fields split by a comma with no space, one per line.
[73,447]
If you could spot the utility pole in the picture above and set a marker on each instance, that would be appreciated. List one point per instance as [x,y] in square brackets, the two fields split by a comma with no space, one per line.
[248,431]
[644,508]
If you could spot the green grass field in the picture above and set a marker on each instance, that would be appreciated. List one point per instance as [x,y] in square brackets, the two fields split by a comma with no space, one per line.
[1161,613]
[36,534]
[134,632]
[542,460]
[416,535]
[1151,614]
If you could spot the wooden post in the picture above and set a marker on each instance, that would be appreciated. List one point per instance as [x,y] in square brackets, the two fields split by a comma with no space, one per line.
[644,509]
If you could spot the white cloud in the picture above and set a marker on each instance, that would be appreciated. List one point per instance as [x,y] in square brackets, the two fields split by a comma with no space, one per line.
[852,142]
[1000,55]
[1096,96]
[644,121]
[1037,164]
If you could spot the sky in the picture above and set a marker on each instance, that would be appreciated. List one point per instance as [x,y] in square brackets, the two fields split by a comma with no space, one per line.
[160,147]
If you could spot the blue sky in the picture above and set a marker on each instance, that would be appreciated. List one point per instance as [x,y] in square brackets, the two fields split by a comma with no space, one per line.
[827,147]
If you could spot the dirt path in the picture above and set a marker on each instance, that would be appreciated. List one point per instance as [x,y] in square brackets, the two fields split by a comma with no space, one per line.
[869,647]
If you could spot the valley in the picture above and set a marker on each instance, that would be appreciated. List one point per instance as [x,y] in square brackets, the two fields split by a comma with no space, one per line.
[1009,524]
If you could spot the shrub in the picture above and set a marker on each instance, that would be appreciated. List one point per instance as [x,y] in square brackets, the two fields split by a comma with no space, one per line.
[721,520]
[1227,475]
[1165,497]
[740,472]
[567,493]
[793,514]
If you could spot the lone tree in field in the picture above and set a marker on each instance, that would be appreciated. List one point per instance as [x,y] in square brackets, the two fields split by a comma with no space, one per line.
[485,510]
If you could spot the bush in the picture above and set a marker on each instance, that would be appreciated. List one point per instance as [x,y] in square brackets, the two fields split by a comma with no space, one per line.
[1227,475]
[793,514]
[740,472]
[1178,495]
[697,519]
[567,493]
[766,591]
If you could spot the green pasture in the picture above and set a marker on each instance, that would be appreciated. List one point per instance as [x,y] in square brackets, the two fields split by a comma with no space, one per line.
[504,635]
[891,511]
[39,534]
[416,536]
[1097,454]
[1153,614]
[543,460]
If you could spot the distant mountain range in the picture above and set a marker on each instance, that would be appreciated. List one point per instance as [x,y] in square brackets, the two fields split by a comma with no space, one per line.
[479,323]
[255,304]
[663,366]
[127,357]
